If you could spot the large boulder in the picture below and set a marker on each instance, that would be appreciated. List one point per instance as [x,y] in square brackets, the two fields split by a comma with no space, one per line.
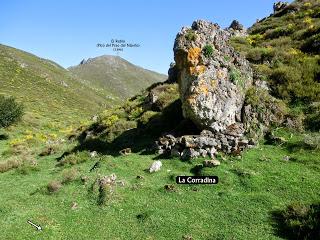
[212,77]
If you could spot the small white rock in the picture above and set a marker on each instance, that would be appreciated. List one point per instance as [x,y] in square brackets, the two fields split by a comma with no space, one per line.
[93,154]
[155,166]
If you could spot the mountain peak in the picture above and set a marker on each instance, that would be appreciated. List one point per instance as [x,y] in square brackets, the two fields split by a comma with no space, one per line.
[116,74]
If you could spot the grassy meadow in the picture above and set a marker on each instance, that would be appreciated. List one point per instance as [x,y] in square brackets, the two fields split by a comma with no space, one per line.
[241,206]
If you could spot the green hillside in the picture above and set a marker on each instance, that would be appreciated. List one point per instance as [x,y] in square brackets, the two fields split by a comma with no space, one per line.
[284,51]
[46,89]
[116,75]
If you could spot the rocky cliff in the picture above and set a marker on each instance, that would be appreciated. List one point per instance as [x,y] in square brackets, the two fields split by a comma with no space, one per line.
[219,93]
[212,77]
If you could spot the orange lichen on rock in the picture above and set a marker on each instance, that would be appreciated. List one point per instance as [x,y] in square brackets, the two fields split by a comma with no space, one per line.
[197,70]
[193,56]
[221,74]
[214,83]
[202,88]
[192,100]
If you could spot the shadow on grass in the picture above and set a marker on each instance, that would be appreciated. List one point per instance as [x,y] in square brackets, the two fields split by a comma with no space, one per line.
[197,170]
[297,221]
[140,140]
[4,137]
[297,146]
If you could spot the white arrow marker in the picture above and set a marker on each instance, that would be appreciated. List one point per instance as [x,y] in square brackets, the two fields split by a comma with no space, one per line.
[34,225]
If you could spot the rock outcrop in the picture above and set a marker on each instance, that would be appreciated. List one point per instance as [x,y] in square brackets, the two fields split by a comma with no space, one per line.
[237,29]
[212,77]
[278,6]
[219,93]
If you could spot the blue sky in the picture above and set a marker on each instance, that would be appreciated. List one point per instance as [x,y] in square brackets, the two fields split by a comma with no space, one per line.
[68,31]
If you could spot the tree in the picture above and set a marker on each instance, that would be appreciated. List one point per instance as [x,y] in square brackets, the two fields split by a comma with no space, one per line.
[10,111]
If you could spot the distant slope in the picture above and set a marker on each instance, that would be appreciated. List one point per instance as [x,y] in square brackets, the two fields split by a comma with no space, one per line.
[47,89]
[116,75]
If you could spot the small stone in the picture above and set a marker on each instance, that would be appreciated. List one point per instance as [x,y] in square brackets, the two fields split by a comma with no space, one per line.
[140,177]
[93,154]
[188,142]
[84,179]
[243,143]
[203,152]
[125,151]
[74,205]
[206,133]
[169,187]
[211,163]
[212,152]
[286,158]
[189,153]
[187,237]
[155,166]
[95,118]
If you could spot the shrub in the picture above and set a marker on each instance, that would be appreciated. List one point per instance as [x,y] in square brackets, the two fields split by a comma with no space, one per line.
[74,158]
[278,32]
[146,116]
[167,94]
[300,221]
[312,140]
[236,77]
[296,82]
[69,175]
[208,50]
[260,55]
[240,44]
[312,44]
[312,119]
[10,111]
[118,128]
[191,35]
[9,164]
[54,186]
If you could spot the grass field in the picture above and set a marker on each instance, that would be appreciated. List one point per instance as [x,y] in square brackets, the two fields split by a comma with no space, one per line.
[240,206]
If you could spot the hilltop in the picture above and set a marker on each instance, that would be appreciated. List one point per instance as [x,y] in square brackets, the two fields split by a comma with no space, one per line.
[116,75]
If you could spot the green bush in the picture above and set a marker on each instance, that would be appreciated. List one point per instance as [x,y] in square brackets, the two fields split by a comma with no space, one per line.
[69,175]
[147,116]
[260,55]
[297,81]
[191,35]
[208,50]
[167,94]
[312,44]
[74,158]
[312,120]
[278,32]
[236,77]
[10,111]
[300,221]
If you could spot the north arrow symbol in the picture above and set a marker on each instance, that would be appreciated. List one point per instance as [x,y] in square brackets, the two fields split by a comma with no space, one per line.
[34,225]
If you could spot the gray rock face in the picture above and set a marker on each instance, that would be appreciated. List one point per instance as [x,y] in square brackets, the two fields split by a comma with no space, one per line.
[212,77]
